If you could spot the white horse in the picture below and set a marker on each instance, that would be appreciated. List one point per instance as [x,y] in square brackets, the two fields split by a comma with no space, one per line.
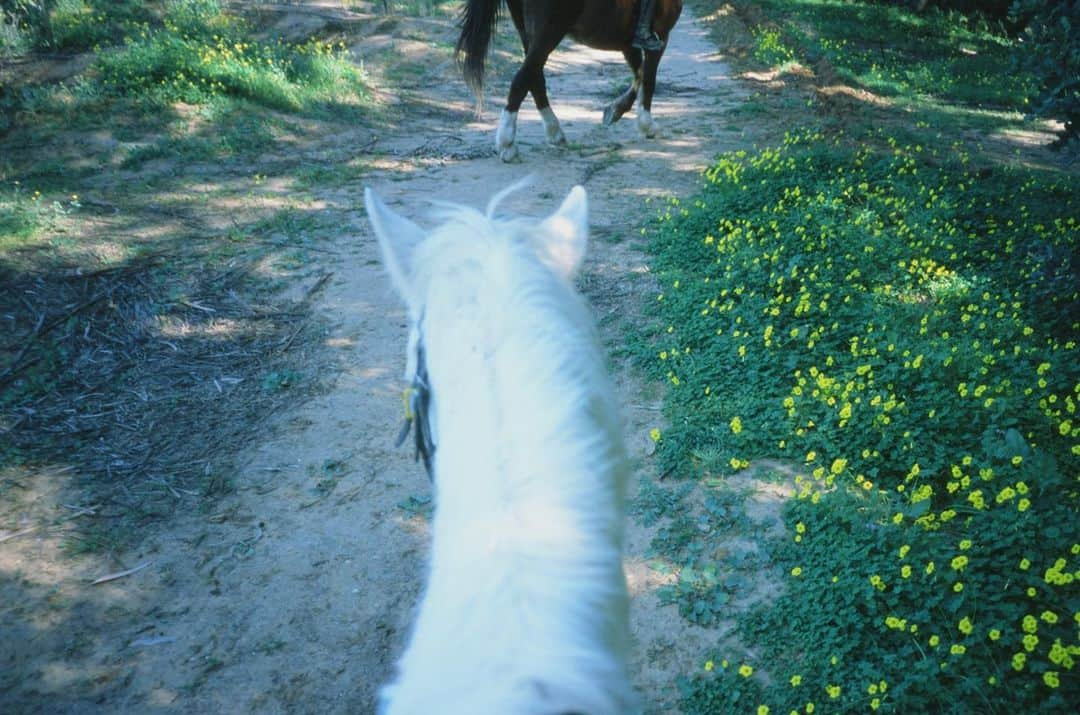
[525,610]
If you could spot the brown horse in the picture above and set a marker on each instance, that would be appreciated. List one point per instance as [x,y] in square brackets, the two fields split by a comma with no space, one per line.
[542,24]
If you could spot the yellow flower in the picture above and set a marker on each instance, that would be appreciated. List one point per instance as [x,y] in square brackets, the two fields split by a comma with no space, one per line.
[797,571]
[1049,616]
[708,665]
[934,640]
[1023,505]
[904,550]
[1030,625]
[800,528]
[958,563]
[875,703]
[1018,661]
[957,649]
[838,466]
[929,568]
[736,425]
[965,544]
[965,626]
[905,571]
[833,691]
[796,681]
[995,634]
[654,434]
[1050,677]
[1030,641]
[745,670]
[809,708]
[1024,564]
[762,710]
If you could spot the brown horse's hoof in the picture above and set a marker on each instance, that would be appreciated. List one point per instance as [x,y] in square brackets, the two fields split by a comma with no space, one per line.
[611,115]
[645,124]
[510,154]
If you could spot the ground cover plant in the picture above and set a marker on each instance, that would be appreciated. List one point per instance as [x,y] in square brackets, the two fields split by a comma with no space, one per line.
[68,25]
[196,53]
[958,71]
[905,327]
[959,58]
[200,51]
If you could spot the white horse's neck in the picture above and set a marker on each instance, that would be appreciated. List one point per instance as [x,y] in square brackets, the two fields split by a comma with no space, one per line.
[525,609]
[512,360]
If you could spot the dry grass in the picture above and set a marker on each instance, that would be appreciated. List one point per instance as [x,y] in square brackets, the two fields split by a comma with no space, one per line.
[148,395]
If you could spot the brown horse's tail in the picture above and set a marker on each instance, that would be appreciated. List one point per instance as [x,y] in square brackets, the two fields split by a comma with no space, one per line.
[478,21]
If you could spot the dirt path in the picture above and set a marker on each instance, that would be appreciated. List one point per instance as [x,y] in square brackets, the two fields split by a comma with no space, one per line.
[295,593]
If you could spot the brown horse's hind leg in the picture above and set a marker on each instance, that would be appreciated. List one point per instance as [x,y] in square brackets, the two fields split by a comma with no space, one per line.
[614,111]
[529,78]
[645,122]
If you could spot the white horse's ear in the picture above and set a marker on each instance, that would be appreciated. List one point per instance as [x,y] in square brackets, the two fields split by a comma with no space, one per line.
[398,237]
[564,234]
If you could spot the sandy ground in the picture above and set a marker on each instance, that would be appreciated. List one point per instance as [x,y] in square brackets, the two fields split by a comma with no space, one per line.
[295,593]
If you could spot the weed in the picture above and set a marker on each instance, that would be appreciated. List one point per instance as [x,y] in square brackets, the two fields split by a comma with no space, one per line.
[906,328]
[654,501]
[26,214]
[201,52]
[421,506]
[280,380]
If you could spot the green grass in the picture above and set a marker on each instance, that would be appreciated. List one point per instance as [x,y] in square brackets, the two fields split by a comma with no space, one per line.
[25,215]
[192,52]
[200,52]
[889,50]
[905,328]
[83,24]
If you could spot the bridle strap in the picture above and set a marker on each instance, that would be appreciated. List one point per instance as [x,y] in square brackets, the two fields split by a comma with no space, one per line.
[418,414]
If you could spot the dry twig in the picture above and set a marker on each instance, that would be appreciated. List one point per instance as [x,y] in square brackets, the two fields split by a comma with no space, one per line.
[120,574]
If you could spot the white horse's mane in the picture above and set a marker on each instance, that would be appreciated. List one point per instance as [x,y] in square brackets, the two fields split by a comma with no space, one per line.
[525,610]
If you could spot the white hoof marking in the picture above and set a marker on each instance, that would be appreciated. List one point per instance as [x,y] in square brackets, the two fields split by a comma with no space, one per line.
[552,129]
[646,125]
[504,135]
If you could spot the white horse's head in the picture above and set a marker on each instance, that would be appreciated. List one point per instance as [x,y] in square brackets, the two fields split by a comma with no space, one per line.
[559,240]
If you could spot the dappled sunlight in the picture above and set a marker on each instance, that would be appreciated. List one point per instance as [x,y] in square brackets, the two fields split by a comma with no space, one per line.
[416,524]
[52,549]
[854,93]
[724,10]
[1040,137]
[216,328]
[340,342]
[381,373]
[644,577]
[205,356]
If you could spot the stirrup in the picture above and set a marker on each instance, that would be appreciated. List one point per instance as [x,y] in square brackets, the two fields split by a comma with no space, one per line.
[650,42]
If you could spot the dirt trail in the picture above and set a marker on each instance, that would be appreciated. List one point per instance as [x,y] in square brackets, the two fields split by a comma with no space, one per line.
[295,593]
